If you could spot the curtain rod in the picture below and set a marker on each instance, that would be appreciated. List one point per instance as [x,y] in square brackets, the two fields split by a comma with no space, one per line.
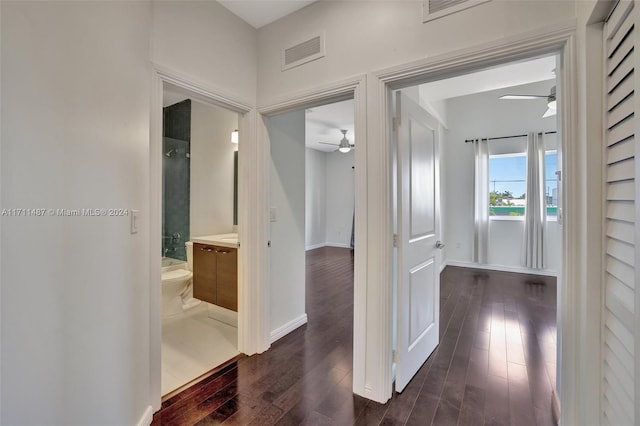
[506,137]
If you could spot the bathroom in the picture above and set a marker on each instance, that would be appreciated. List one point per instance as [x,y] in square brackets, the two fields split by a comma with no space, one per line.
[199,238]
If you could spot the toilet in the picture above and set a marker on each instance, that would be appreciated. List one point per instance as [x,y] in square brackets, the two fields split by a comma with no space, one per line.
[177,288]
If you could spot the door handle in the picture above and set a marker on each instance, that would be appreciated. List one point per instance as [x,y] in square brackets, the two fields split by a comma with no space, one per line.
[440,245]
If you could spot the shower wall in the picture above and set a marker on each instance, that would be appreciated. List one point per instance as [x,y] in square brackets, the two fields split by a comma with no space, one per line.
[176,170]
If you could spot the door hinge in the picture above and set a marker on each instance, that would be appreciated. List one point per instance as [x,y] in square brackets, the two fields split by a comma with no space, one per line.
[559,174]
[395,240]
[238,244]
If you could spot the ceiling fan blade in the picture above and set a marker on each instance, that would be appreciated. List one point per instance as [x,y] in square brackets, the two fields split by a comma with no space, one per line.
[329,143]
[523,96]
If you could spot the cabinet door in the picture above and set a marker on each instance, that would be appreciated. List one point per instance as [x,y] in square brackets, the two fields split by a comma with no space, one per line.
[204,272]
[227,278]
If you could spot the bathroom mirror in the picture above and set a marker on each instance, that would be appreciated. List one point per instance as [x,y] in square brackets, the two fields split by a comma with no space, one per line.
[235,188]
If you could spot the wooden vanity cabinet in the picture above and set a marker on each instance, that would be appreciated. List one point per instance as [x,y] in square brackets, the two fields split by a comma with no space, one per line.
[215,275]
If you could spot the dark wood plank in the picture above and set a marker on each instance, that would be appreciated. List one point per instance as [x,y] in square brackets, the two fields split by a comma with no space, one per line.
[495,364]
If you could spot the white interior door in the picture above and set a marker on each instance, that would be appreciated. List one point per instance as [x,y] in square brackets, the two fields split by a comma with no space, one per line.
[418,288]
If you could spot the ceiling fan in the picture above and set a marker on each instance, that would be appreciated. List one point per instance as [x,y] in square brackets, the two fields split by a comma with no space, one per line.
[551,100]
[344,145]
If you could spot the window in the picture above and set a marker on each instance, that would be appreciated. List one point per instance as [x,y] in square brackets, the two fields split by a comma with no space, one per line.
[508,185]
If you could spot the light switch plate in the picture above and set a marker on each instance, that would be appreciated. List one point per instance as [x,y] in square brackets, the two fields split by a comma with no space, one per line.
[135,218]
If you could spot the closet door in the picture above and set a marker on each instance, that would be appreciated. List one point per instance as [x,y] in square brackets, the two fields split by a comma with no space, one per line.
[620,403]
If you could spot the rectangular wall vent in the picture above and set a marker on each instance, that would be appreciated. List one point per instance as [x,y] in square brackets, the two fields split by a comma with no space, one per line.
[301,53]
[434,9]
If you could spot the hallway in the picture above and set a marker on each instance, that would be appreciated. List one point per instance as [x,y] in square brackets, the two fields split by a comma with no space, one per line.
[495,363]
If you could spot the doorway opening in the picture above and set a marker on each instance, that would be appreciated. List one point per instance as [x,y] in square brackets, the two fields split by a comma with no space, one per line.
[312,226]
[500,160]
[199,281]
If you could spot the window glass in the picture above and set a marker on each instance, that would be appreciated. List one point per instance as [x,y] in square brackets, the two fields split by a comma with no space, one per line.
[507,184]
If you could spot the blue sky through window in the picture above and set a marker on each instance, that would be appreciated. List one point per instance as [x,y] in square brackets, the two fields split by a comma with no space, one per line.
[508,173]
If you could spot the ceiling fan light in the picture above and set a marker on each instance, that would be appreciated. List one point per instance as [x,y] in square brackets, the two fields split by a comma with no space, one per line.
[552,104]
[344,146]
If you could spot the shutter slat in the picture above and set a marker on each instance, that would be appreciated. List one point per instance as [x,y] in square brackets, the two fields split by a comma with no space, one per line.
[623,231]
[622,111]
[622,313]
[621,210]
[623,190]
[621,251]
[623,50]
[616,409]
[621,151]
[617,36]
[622,10]
[623,90]
[621,72]
[622,170]
[619,371]
[614,325]
[626,359]
[623,272]
[622,131]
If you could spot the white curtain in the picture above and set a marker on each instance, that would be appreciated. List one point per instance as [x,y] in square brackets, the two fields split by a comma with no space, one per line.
[481,202]
[535,213]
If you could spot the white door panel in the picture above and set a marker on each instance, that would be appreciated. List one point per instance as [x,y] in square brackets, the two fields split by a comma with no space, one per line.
[418,271]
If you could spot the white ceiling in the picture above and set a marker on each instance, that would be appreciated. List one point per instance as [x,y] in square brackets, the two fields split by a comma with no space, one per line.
[515,74]
[323,124]
[259,13]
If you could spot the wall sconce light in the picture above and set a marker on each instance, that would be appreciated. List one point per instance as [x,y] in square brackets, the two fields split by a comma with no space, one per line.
[234,136]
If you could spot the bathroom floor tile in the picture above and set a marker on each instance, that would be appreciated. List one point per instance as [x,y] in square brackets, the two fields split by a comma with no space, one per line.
[193,344]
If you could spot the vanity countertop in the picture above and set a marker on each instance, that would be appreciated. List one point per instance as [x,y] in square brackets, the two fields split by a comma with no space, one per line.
[222,240]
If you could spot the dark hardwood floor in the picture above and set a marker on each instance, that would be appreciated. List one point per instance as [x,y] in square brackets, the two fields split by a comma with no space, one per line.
[495,364]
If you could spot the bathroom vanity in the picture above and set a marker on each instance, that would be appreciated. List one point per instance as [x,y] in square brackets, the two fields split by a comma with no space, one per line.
[215,270]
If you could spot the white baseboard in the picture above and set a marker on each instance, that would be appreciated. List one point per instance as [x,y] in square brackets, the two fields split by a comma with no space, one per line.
[147,417]
[315,246]
[287,328]
[516,269]
[442,266]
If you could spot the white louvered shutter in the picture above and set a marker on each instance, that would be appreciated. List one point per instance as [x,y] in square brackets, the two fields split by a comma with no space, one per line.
[620,310]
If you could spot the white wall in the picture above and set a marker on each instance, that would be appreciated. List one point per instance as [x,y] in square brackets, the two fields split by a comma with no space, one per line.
[340,198]
[211,183]
[75,290]
[287,196]
[208,43]
[386,34]
[484,115]
[315,199]
[329,198]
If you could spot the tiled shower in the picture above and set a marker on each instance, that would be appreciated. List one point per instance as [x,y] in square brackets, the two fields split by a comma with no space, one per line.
[176,170]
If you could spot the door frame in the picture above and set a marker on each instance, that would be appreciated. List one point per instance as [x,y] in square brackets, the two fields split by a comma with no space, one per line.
[249,303]
[353,88]
[559,39]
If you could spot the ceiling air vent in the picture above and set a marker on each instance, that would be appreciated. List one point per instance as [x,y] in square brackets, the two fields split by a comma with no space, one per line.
[434,9]
[301,53]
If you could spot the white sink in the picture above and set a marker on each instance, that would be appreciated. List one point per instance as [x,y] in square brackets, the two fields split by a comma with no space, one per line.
[224,240]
